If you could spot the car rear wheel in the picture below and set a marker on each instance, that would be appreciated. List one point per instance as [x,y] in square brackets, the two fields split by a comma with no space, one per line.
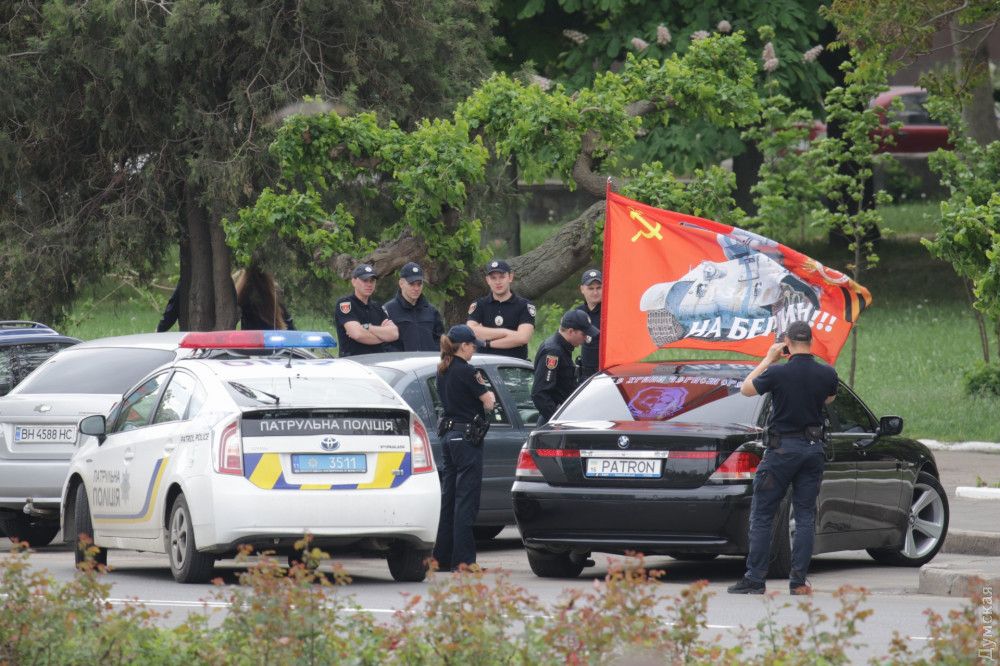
[546,564]
[186,564]
[663,326]
[926,528]
[486,532]
[84,525]
[693,557]
[35,531]
[407,564]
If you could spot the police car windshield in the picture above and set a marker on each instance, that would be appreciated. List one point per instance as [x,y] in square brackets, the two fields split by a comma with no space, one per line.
[690,398]
[311,392]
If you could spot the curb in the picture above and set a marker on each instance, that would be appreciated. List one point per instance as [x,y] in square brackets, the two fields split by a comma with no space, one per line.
[975,492]
[975,447]
[959,579]
[969,542]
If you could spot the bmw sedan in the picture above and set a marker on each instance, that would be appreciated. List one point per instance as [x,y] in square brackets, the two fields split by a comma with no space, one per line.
[659,458]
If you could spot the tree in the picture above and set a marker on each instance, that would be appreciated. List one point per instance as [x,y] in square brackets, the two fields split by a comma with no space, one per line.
[427,172]
[124,123]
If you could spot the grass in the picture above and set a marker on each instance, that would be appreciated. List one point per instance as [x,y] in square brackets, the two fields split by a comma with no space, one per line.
[914,343]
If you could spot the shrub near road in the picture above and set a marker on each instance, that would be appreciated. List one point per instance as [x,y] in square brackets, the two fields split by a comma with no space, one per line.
[301,616]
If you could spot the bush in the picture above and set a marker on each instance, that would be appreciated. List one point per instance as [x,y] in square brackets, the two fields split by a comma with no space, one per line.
[983,380]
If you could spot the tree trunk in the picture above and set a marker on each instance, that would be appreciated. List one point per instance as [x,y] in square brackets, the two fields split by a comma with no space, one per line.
[746,168]
[972,60]
[984,338]
[210,301]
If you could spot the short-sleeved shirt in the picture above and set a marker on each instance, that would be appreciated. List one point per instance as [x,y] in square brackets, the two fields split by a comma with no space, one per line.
[508,314]
[459,388]
[350,308]
[799,389]
[420,325]
[590,350]
[555,377]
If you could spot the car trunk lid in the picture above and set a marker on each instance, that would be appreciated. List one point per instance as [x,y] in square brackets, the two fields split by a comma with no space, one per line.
[40,427]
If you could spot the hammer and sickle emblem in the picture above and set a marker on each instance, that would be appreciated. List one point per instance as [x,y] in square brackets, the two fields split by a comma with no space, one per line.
[650,232]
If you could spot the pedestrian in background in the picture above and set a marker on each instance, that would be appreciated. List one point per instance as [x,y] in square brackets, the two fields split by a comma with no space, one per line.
[261,306]
[592,288]
[555,376]
[465,399]
[419,323]
[362,325]
[794,454]
[171,313]
[502,320]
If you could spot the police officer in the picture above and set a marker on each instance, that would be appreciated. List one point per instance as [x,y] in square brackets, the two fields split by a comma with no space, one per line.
[591,286]
[419,323]
[555,377]
[799,389]
[503,321]
[466,400]
[362,325]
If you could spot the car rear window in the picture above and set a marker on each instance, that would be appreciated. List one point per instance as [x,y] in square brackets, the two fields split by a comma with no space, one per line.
[687,398]
[17,361]
[311,392]
[110,370]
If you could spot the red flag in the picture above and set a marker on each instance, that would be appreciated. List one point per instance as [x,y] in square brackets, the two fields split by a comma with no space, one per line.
[677,281]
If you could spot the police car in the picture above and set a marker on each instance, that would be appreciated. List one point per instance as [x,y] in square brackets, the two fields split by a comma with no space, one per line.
[206,454]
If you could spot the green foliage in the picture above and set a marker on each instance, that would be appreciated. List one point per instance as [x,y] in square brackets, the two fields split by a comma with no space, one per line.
[983,380]
[706,194]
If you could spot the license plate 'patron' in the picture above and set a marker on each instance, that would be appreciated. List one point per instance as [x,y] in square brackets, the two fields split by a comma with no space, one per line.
[624,468]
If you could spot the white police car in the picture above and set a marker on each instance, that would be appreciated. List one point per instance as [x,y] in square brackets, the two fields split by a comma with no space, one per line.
[206,454]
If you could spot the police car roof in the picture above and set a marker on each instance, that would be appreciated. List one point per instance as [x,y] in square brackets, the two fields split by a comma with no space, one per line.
[167,341]
[233,368]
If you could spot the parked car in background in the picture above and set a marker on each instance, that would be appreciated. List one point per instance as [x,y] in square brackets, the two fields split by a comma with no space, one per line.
[24,345]
[659,458]
[413,375]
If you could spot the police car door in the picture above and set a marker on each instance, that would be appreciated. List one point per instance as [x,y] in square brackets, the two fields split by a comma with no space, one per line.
[124,469]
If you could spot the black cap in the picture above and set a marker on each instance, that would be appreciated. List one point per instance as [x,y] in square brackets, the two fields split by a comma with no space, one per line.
[364,271]
[591,275]
[461,333]
[579,320]
[497,266]
[799,331]
[412,272]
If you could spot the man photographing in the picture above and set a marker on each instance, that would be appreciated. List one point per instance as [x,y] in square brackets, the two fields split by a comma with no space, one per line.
[794,455]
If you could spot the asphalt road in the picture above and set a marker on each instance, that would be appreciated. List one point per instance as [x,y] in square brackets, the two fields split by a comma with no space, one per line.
[892,591]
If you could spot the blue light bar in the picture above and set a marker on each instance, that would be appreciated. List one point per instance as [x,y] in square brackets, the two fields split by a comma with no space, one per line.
[300,339]
[257,340]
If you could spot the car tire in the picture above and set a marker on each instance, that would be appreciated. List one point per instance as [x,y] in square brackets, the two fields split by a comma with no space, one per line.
[85,525]
[693,557]
[926,529]
[780,565]
[186,564]
[33,531]
[486,532]
[407,564]
[546,564]
[663,327]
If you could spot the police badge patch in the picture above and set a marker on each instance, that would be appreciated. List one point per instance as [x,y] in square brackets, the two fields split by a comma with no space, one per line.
[498,320]
[551,361]
[345,307]
[531,309]
[472,308]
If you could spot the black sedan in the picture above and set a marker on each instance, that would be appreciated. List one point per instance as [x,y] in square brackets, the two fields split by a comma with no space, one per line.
[659,458]
[412,375]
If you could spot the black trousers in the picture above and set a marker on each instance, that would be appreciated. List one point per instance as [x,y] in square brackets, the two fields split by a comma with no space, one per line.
[461,474]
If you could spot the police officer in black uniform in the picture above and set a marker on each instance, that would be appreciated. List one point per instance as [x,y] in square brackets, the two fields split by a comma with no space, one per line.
[419,323]
[591,286]
[362,325]
[555,376]
[465,399]
[794,455]
[503,321]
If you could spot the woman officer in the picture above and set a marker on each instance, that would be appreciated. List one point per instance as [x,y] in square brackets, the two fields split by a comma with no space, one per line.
[464,396]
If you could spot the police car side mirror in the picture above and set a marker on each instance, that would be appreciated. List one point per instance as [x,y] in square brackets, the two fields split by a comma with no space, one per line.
[890,425]
[95,426]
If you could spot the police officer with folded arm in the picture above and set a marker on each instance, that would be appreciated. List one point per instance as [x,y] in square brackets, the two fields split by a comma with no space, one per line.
[465,399]
[591,286]
[555,376]
[503,321]
[794,455]
[362,325]
[419,323]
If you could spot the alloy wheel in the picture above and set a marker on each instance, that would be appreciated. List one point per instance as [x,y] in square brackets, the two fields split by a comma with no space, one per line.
[926,522]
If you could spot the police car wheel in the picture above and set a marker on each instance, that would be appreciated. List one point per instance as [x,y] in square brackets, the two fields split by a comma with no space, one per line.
[546,564]
[186,564]
[407,564]
[927,526]
[27,529]
[663,326]
[84,525]
[783,532]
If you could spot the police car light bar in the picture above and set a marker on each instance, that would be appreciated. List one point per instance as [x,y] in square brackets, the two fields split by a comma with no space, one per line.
[257,340]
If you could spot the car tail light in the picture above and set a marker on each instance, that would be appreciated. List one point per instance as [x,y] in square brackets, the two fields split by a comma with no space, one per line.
[422,459]
[231,450]
[526,467]
[739,466]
